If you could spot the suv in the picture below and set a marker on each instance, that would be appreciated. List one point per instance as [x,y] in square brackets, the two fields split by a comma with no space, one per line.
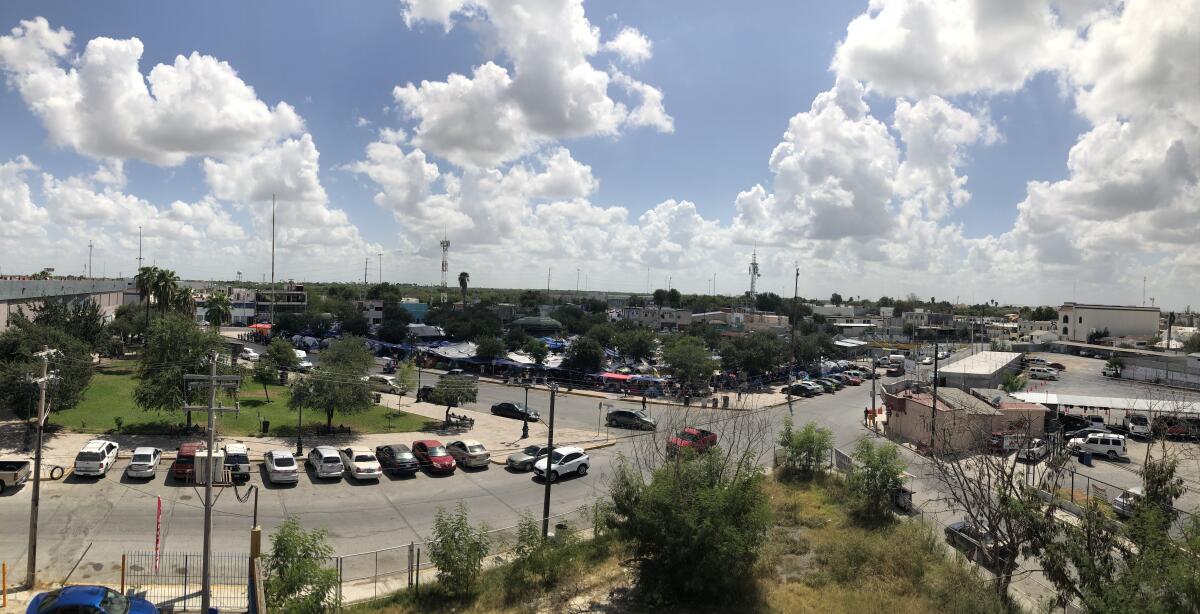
[185,460]
[631,419]
[1043,373]
[1103,444]
[237,461]
[384,383]
[326,462]
[96,457]
[693,438]
[1137,425]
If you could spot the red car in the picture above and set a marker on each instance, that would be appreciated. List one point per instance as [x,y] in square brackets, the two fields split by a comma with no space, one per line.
[697,439]
[1057,365]
[185,460]
[433,456]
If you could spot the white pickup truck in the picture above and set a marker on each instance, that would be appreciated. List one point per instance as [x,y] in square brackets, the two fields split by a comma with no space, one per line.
[13,473]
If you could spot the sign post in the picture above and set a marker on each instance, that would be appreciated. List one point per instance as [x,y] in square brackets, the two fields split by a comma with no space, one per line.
[157,533]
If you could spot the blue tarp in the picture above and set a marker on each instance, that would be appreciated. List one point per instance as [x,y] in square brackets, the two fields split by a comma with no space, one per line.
[553,344]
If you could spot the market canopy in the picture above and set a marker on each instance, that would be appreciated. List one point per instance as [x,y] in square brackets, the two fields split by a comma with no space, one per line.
[615,376]
[261,326]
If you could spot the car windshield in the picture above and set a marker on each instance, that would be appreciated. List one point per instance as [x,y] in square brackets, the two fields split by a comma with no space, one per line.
[114,602]
[532,450]
[142,458]
[474,449]
[688,436]
[284,461]
[1139,420]
[89,457]
[438,451]
[237,459]
[364,458]
[183,460]
[556,457]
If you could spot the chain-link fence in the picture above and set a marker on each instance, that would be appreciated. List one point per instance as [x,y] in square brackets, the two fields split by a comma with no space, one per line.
[365,576]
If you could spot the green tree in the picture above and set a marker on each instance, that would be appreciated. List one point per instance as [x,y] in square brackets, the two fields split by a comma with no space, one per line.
[706,332]
[695,529]
[1043,314]
[218,309]
[604,334]
[584,354]
[516,338]
[464,278]
[165,286]
[175,346]
[337,386]
[80,319]
[660,297]
[807,451]
[690,361]
[753,354]
[537,350]
[673,298]
[393,331]
[636,344]
[835,298]
[1116,363]
[454,390]
[457,550]
[72,365]
[356,324]
[873,480]
[1013,382]
[395,313]
[279,356]
[145,284]
[489,347]
[296,577]
[1192,345]
[183,301]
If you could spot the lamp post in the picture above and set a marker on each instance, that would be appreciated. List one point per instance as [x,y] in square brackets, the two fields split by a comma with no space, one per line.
[525,416]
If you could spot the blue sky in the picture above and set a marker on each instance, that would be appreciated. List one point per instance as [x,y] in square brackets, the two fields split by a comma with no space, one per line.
[730,76]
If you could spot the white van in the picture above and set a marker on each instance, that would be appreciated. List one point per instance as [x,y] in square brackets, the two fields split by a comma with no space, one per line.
[1102,444]
[896,359]
[1137,425]
[1043,373]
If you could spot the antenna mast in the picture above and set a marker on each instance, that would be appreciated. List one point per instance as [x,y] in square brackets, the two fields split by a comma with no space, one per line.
[445,265]
[754,275]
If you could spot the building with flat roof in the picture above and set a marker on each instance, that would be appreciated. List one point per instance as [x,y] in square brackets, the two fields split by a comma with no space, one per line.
[979,370]
[964,421]
[20,294]
[1078,321]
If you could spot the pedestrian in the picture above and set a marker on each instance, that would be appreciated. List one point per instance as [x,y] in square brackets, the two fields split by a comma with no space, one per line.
[866,415]
[643,402]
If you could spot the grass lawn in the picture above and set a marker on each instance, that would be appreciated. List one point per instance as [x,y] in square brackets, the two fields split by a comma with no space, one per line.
[110,395]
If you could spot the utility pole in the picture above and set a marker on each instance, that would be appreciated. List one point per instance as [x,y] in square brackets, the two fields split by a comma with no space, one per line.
[89,258]
[549,464]
[274,297]
[31,571]
[577,282]
[548,269]
[381,267]
[213,381]
[933,415]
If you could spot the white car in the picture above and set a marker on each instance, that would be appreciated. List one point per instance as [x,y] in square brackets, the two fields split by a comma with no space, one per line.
[144,463]
[1137,425]
[326,462]
[928,360]
[564,460]
[96,457]
[281,467]
[1102,444]
[1034,450]
[301,354]
[943,355]
[361,464]
[304,365]
[1043,373]
[249,354]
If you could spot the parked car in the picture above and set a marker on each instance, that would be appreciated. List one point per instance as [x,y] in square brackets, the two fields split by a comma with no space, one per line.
[13,473]
[248,354]
[361,464]
[799,389]
[96,457]
[384,383]
[305,365]
[185,460]
[515,409]
[943,355]
[459,373]
[433,456]
[895,371]
[1043,373]
[1033,360]
[1125,502]
[281,467]
[469,453]
[1057,366]
[631,419]
[851,380]
[237,461]
[326,462]
[1094,420]
[144,463]
[1084,432]
[563,461]
[397,458]
[1110,445]
[1003,443]
[928,360]
[1034,450]
[1109,371]
[972,540]
[523,460]
[90,599]
[1176,427]
[1137,425]
[692,438]
[423,394]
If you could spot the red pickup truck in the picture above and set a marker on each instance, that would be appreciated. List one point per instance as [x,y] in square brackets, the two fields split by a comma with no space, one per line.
[697,439]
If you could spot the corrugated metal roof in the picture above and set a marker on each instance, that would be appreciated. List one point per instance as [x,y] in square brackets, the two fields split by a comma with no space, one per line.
[1119,403]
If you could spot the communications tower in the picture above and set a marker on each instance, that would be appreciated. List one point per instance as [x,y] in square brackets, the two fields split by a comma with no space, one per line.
[445,265]
[754,275]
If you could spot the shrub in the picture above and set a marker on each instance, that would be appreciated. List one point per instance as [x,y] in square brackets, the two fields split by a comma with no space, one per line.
[806,450]
[295,577]
[539,563]
[457,550]
[873,480]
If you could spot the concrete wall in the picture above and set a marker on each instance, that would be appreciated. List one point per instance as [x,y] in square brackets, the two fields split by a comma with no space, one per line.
[1082,320]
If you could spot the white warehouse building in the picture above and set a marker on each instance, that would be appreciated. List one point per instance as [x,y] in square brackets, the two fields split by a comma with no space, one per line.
[1076,321]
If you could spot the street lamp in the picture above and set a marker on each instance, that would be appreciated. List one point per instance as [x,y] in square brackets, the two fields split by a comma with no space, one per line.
[525,415]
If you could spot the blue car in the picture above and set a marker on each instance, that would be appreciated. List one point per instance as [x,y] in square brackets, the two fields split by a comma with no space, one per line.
[97,599]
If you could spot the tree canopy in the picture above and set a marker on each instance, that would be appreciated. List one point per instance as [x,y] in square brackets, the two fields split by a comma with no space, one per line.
[584,354]
[72,365]
[174,347]
[337,386]
[690,361]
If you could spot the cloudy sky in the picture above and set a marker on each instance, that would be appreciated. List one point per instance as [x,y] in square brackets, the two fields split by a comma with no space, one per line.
[1018,150]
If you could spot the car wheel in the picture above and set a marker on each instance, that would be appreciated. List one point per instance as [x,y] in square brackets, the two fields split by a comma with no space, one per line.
[553,476]
[527,467]
[582,470]
[1112,455]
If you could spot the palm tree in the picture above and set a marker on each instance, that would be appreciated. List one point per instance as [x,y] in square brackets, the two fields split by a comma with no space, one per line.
[219,309]
[183,301]
[145,280]
[463,279]
[166,285]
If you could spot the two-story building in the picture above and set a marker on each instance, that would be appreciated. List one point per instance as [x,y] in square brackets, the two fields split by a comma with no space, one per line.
[1076,321]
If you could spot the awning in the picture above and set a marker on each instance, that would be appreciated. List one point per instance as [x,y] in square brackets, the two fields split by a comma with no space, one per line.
[615,376]
[261,326]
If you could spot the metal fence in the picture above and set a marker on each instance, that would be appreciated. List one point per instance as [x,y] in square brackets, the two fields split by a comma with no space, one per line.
[175,585]
[365,576]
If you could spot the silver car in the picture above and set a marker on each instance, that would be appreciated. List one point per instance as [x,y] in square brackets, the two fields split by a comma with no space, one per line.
[144,463]
[523,460]
[469,453]
[326,462]
[281,467]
